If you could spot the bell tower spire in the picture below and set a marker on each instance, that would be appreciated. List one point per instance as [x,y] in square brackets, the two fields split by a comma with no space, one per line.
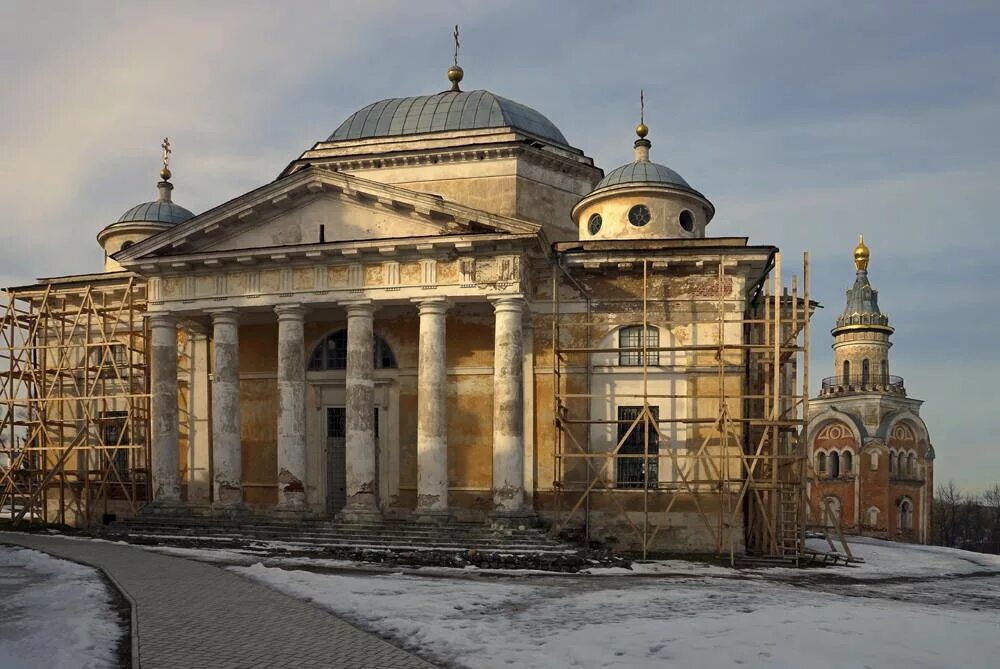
[861,337]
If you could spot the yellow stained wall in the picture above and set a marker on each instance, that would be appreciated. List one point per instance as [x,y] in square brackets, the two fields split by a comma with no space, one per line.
[469,389]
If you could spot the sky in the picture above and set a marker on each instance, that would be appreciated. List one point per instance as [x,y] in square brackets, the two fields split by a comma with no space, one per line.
[806,123]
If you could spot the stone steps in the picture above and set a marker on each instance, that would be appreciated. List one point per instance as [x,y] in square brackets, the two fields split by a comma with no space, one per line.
[341,540]
[390,541]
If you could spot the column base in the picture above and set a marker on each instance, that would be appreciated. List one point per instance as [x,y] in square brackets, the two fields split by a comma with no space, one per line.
[231,511]
[359,515]
[510,520]
[361,507]
[165,506]
[432,516]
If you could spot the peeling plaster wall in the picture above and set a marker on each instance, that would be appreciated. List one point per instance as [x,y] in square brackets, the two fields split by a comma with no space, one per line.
[469,387]
[691,319]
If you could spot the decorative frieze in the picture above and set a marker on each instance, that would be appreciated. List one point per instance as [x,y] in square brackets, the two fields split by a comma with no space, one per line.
[489,274]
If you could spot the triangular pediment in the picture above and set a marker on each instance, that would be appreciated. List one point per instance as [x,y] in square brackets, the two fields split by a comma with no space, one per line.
[319,206]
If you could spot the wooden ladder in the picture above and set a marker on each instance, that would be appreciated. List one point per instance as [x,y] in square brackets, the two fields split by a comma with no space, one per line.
[790,531]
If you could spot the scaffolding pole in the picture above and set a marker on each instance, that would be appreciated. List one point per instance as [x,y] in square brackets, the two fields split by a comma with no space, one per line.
[74,401]
[740,466]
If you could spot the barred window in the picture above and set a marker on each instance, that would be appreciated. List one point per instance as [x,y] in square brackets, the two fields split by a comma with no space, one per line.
[633,471]
[630,346]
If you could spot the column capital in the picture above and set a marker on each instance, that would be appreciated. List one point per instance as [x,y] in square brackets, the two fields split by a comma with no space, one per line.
[290,311]
[359,307]
[161,319]
[228,315]
[507,303]
[431,305]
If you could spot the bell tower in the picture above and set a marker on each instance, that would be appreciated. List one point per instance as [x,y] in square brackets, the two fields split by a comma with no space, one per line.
[861,337]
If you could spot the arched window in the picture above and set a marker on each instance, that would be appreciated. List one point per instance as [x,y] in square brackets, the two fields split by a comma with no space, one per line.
[892,463]
[885,372]
[873,517]
[847,372]
[901,464]
[630,345]
[847,462]
[821,463]
[834,465]
[905,515]
[911,465]
[865,372]
[331,353]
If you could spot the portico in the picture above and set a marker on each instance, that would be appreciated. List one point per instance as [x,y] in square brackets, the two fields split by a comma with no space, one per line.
[264,312]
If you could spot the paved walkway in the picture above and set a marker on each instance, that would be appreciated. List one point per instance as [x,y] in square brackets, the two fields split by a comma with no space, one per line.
[191,615]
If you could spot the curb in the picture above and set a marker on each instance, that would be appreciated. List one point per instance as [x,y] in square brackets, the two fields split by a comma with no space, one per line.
[133,606]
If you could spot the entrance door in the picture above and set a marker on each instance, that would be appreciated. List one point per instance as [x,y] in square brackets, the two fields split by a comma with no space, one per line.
[336,459]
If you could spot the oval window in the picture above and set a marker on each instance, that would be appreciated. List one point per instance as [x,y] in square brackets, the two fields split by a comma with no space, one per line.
[127,244]
[639,215]
[594,224]
[687,220]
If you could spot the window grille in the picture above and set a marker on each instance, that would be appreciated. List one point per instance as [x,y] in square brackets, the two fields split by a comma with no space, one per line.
[630,346]
[632,471]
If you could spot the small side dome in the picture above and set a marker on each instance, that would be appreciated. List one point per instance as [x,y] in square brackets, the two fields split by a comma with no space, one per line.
[643,171]
[643,200]
[156,212]
[143,220]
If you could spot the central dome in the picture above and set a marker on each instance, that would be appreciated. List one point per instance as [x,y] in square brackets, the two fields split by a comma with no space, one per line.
[444,112]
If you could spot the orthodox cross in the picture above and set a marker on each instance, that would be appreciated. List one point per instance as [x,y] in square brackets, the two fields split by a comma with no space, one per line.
[455,35]
[166,151]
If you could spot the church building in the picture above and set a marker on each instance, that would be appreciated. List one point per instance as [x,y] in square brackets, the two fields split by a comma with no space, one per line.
[444,311]
[871,454]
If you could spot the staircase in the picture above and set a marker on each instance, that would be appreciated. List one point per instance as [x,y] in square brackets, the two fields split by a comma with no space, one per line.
[387,541]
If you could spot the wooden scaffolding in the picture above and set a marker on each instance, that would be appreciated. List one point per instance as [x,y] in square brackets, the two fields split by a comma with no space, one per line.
[744,473]
[74,400]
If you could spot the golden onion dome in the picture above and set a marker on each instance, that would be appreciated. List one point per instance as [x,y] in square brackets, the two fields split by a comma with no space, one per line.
[861,254]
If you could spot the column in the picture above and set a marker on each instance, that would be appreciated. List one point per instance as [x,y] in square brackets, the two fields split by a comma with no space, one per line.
[226,453]
[432,427]
[291,407]
[508,406]
[164,429]
[360,410]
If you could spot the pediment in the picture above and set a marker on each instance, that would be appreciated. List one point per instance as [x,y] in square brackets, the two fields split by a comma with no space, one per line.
[317,206]
[326,217]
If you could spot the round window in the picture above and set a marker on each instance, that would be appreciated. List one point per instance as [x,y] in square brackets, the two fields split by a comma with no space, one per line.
[127,244]
[639,215]
[687,220]
[594,224]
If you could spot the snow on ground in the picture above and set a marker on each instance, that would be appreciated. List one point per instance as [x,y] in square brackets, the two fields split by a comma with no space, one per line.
[909,606]
[54,613]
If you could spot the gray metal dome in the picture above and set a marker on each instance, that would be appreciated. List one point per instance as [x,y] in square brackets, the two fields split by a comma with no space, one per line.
[156,212]
[451,110]
[643,171]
